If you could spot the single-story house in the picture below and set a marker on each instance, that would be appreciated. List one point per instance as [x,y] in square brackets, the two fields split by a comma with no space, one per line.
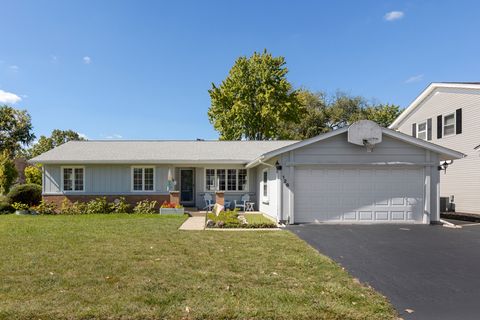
[357,174]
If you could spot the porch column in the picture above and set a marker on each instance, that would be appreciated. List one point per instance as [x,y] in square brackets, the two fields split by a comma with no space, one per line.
[220,197]
[175,197]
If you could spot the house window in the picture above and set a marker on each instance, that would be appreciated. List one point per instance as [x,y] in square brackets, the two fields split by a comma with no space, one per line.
[73,178]
[449,124]
[221,179]
[232,179]
[242,179]
[143,178]
[226,179]
[422,131]
[210,179]
[265,184]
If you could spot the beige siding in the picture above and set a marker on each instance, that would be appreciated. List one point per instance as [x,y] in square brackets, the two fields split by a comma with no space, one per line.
[462,179]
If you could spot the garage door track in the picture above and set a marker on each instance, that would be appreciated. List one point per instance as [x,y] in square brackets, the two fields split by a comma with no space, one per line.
[432,270]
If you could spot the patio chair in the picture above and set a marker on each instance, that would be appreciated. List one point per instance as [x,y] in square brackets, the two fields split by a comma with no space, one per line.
[242,204]
[207,197]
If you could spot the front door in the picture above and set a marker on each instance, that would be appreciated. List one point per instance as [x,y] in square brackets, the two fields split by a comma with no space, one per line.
[187,190]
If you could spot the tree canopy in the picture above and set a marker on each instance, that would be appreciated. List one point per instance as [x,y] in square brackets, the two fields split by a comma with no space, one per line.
[324,113]
[253,99]
[57,138]
[15,129]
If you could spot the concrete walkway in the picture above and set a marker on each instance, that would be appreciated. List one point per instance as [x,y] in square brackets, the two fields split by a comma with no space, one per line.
[193,223]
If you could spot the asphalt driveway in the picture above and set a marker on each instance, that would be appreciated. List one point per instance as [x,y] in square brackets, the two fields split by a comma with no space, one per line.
[432,270]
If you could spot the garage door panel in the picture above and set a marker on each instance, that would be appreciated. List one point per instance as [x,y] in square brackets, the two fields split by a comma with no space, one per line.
[359,195]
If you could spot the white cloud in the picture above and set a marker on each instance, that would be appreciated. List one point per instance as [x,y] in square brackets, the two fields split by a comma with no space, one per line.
[87,60]
[113,136]
[393,15]
[83,135]
[416,78]
[14,68]
[8,97]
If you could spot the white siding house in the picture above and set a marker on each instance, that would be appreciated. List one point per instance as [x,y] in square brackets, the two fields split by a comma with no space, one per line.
[448,114]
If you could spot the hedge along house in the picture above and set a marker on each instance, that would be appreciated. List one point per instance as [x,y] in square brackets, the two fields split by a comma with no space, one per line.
[331,178]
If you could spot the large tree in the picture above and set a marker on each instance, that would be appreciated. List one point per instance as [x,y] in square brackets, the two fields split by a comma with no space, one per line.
[15,129]
[57,138]
[254,98]
[324,113]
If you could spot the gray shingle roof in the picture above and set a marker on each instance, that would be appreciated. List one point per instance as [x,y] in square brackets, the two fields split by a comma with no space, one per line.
[158,151]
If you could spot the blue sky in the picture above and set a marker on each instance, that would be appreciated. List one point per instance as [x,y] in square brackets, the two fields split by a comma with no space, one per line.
[141,69]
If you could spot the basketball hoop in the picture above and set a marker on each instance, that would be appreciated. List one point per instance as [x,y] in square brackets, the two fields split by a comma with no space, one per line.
[365,133]
[370,143]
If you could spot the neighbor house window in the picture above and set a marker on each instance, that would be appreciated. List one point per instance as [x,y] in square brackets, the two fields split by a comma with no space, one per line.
[226,179]
[265,184]
[143,178]
[449,124]
[73,178]
[422,131]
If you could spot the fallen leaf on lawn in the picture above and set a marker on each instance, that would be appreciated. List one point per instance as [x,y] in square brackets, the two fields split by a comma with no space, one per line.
[158,259]
[409,310]
[354,303]
[51,273]
[274,273]
[187,309]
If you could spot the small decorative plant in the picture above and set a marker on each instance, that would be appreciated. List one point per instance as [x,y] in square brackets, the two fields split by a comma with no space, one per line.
[20,206]
[171,205]
[145,206]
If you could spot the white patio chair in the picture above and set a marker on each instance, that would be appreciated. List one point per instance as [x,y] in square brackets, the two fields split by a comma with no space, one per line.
[242,204]
[207,197]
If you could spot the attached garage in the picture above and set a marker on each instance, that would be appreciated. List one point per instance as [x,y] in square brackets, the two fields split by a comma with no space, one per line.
[360,174]
[356,195]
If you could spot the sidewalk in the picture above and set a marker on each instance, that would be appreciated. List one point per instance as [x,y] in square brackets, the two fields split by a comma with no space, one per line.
[193,223]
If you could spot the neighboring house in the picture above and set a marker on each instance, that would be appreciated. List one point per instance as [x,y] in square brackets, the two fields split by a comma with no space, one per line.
[322,179]
[448,114]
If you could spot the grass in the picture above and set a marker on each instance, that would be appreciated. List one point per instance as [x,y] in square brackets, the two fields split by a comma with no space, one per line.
[257,218]
[142,267]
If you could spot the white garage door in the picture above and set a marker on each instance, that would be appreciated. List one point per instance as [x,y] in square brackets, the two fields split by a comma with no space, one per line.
[358,195]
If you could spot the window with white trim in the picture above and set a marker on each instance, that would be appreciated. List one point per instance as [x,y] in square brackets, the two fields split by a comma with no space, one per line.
[73,178]
[422,130]
[226,180]
[265,184]
[143,178]
[449,124]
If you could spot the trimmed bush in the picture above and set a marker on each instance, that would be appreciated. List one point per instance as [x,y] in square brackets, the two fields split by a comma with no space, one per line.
[72,208]
[33,174]
[145,206]
[6,207]
[120,205]
[46,207]
[98,205]
[30,194]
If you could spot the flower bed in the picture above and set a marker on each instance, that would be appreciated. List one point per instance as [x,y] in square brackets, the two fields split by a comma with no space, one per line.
[231,219]
[171,208]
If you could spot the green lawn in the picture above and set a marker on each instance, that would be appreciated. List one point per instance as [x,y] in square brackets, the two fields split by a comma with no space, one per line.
[141,266]
[254,218]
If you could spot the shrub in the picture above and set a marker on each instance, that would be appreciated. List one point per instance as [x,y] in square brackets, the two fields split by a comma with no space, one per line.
[72,208]
[120,206]
[226,219]
[33,174]
[30,194]
[46,207]
[171,205]
[6,207]
[145,206]
[98,205]
[20,206]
